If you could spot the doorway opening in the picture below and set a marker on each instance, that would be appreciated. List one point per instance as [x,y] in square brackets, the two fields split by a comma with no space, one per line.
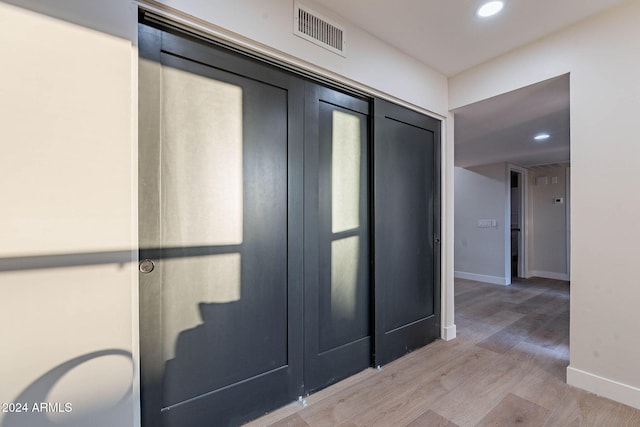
[509,224]
[517,263]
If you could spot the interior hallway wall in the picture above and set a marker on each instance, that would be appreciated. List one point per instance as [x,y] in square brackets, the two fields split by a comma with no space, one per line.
[480,251]
[603,58]
[548,222]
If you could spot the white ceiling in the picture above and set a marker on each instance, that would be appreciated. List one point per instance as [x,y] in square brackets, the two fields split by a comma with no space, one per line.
[449,37]
[501,129]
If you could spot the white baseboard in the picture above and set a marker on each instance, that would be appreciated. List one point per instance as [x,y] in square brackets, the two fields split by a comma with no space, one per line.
[548,275]
[604,387]
[449,332]
[482,278]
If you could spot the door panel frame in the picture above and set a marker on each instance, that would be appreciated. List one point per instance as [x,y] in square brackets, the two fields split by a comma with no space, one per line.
[389,345]
[350,354]
[251,397]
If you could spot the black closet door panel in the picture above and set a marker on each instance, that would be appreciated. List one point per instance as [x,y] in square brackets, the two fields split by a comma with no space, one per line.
[406,230]
[221,313]
[337,364]
[337,279]
[404,185]
[234,406]
[248,336]
[343,318]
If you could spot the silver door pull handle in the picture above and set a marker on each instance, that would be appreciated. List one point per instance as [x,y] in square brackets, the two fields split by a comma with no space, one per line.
[146,266]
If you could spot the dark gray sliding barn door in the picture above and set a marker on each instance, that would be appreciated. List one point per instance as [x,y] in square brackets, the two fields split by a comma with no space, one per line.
[220,192]
[337,284]
[406,236]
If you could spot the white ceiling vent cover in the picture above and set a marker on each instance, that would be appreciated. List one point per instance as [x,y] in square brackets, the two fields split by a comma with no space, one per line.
[319,30]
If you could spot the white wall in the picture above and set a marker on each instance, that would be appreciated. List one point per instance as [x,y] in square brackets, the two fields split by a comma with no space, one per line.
[603,57]
[548,222]
[370,63]
[267,26]
[66,185]
[114,17]
[483,254]
[480,252]
[68,102]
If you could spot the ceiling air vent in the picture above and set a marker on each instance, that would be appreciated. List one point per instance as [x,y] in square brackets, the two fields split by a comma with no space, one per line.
[315,28]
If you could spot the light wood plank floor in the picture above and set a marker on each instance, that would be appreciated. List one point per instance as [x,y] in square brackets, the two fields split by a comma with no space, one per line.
[506,368]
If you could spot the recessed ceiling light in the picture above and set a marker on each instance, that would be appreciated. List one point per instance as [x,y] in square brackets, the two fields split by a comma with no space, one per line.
[541,136]
[490,9]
